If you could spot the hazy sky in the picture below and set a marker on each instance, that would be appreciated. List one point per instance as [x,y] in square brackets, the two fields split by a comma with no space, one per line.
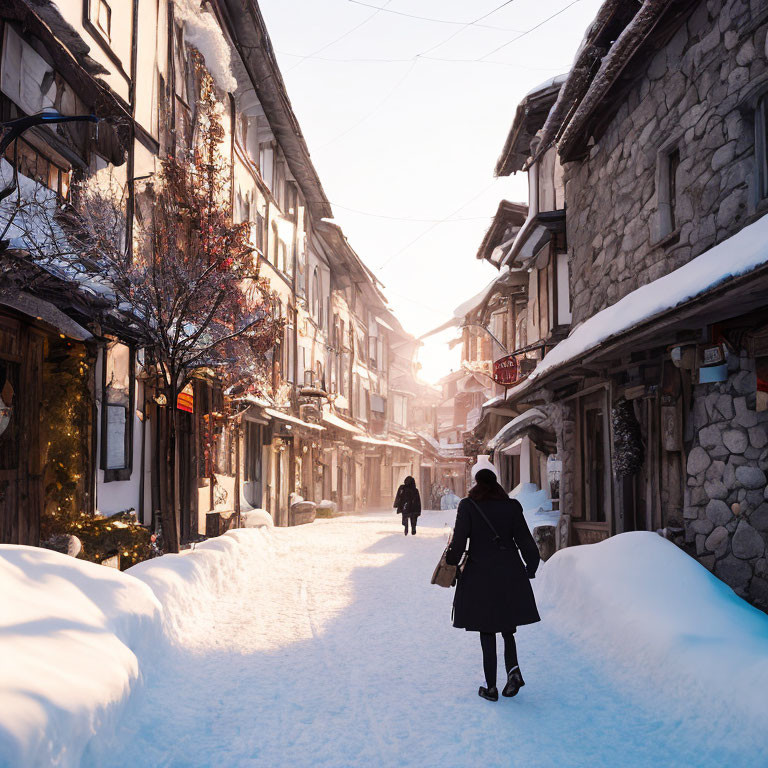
[405,144]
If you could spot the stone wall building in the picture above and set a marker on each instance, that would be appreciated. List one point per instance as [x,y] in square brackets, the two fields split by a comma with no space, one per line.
[660,385]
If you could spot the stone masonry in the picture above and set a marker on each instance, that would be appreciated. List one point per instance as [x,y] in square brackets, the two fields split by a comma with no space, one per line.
[695,93]
[726,499]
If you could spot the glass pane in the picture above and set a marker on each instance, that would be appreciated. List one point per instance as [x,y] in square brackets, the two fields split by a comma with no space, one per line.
[117,417]
[118,370]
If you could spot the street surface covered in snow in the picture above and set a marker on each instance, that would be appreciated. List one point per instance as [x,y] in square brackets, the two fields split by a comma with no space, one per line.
[335,650]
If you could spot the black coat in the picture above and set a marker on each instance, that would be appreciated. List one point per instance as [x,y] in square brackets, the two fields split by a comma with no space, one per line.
[408,501]
[494,593]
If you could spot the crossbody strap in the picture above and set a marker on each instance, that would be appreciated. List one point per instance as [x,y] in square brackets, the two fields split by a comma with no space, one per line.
[496,537]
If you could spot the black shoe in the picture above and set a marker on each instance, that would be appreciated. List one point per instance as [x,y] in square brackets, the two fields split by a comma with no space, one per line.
[405,531]
[492,694]
[514,682]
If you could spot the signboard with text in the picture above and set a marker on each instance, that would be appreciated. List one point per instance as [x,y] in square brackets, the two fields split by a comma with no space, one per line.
[505,370]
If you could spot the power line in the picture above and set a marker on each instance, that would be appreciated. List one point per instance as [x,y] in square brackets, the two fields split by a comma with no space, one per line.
[423,55]
[528,31]
[465,26]
[408,218]
[434,226]
[346,34]
[430,18]
[423,58]
[378,106]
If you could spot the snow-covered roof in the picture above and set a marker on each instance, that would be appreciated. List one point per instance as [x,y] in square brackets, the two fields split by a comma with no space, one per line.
[44,310]
[556,80]
[335,421]
[391,443]
[739,254]
[445,450]
[514,427]
[470,305]
[493,401]
[280,416]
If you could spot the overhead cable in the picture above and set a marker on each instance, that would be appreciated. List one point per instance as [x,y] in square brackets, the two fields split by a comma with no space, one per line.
[430,18]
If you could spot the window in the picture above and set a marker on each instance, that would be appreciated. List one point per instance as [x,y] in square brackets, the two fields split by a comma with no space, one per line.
[266,162]
[36,166]
[666,188]
[104,17]
[315,297]
[400,410]
[116,412]
[761,147]
[275,242]
[257,232]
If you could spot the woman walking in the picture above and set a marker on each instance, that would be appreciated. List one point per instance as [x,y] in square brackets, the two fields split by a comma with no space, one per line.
[408,503]
[494,594]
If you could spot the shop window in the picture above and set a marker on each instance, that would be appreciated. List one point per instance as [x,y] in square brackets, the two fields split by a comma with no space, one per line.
[117,412]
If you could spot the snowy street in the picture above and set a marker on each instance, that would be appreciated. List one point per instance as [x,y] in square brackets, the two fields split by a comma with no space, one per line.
[337,651]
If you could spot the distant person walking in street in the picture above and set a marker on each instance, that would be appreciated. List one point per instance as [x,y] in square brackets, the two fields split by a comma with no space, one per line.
[493,594]
[408,503]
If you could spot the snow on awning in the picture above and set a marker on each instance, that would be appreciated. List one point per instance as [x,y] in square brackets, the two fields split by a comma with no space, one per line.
[515,427]
[736,256]
[43,310]
[332,420]
[470,305]
[391,443]
[280,416]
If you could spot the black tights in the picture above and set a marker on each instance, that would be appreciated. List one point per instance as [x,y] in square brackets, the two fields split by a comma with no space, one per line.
[488,643]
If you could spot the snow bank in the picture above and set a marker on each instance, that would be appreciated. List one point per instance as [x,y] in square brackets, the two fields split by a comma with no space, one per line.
[255,518]
[537,506]
[187,584]
[71,637]
[76,638]
[661,620]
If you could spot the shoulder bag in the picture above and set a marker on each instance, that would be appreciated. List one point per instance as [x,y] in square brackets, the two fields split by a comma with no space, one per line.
[446,575]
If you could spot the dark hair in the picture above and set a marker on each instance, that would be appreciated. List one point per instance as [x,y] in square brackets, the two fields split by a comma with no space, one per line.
[409,482]
[486,487]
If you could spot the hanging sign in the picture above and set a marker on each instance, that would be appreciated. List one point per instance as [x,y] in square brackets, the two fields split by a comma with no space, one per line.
[185,399]
[505,370]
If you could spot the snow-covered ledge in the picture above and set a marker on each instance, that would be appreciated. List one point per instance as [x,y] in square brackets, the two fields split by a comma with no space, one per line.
[734,257]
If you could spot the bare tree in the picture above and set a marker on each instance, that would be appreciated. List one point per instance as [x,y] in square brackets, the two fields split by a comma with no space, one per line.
[186,280]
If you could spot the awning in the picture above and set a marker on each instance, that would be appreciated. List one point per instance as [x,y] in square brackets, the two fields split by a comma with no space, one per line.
[391,443]
[280,416]
[700,280]
[43,310]
[533,236]
[513,428]
[332,420]
[385,324]
[514,448]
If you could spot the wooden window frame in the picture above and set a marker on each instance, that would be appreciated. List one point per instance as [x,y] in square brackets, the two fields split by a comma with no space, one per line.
[761,148]
[581,509]
[105,41]
[123,473]
[668,162]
